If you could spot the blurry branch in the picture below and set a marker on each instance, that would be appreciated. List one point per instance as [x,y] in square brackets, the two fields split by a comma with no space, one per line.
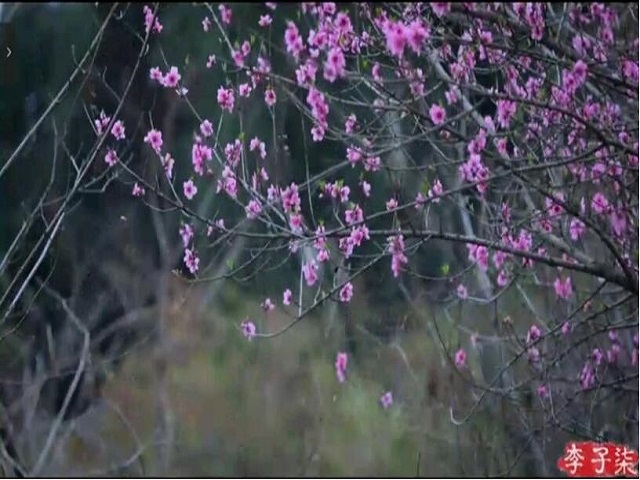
[61,212]
[36,265]
[72,388]
[56,100]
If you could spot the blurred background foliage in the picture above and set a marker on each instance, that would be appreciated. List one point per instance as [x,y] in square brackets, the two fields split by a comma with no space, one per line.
[261,408]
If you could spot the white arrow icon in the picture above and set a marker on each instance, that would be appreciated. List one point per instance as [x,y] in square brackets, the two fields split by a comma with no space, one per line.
[8,52]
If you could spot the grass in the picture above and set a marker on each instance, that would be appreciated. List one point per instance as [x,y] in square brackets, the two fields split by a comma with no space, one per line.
[274,407]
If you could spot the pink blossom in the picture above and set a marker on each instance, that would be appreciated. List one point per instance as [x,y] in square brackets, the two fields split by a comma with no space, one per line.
[156,74]
[576,229]
[372,164]
[154,138]
[563,288]
[460,359]
[597,356]
[358,234]
[503,278]
[354,155]
[149,23]
[499,258]
[461,291]
[350,124]
[543,391]
[580,72]
[270,97]
[267,305]
[533,335]
[248,329]
[587,376]
[190,190]
[111,158]
[375,72]
[420,200]
[206,128]
[341,366]
[480,255]
[172,78]
[287,297]
[451,95]
[618,221]
[191,260]
[101,123]
[256,144]
[293,40]
[440,8]
[233,152]
[580,44]
[566,328]
[613,353]
[200,154]
[630,70]
[554,208]
[296,223]
[253,209]
[206,24]
[244,89]
[317,133]
[238,58]
[391,204]
[415,34]
[290,198]
[435,191]
[167,163]
[395,246]
[138,191]
[226,99]
[225,14]
[335,64]
[186,233]
[395,36]
[346,292]
[118,130]
[310,272]
[474,170]
[323,255]
[265,20]
[506,111]
[386,400]
[366,188]
[353,215]
[437,114]
[599,203]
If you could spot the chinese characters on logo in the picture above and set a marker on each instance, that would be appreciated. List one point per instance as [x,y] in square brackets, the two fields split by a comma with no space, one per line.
[589,459]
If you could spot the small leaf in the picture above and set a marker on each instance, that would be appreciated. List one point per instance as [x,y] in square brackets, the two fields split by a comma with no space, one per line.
[445,269]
